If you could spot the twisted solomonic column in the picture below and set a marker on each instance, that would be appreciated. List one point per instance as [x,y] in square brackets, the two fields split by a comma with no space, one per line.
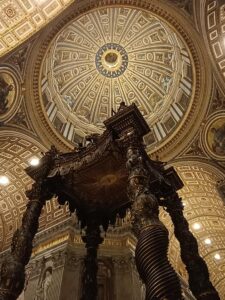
[151,251]
[199,281]
[12,273]
[92,239]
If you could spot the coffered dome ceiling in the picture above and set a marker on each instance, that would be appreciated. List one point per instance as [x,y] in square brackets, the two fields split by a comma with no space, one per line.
[16,152]
[111,55]
[20,19]
[212,14]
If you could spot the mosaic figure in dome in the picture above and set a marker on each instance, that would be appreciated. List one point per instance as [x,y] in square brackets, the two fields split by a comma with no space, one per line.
[5,89]
[218,144]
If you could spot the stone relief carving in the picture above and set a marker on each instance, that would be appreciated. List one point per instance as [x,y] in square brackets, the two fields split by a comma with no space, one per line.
[44,284]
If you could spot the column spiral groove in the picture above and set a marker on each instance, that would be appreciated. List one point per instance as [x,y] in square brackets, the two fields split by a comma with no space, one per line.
[153,265]
[160,279]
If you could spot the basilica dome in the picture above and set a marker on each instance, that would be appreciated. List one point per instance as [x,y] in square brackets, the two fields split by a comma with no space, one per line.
[116,54]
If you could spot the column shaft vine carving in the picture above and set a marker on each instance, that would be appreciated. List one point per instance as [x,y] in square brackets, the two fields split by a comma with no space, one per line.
[151,251]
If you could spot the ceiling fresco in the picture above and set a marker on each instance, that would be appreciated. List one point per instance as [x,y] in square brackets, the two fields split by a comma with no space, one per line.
[20,19]
[111,55]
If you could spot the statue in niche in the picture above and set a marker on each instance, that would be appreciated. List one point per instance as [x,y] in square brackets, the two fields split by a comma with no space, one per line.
[44,284]
[5,89]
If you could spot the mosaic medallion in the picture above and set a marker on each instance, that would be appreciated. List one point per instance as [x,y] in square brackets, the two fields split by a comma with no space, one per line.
[9,93]
[111,60]
[215,137]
